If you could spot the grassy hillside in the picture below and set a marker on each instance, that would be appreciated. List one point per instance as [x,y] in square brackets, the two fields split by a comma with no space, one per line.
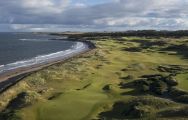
[126,78]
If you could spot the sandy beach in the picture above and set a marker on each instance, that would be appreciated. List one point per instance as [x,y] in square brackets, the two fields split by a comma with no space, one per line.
[11,77]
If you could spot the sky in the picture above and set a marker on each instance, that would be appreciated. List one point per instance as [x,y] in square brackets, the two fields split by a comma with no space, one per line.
[92,15]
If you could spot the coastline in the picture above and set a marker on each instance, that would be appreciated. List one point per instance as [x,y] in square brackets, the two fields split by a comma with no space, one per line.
[96,81]
[9,78]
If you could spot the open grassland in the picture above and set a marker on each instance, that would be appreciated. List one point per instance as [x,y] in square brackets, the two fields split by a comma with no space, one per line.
[121,79]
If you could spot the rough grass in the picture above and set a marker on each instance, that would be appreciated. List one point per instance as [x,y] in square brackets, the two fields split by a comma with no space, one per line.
[183,81]
[77,86]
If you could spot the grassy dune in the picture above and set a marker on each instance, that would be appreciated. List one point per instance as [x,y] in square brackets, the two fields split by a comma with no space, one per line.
[96,85]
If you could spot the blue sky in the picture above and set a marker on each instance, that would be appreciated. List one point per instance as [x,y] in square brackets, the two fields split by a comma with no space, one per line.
[92,15]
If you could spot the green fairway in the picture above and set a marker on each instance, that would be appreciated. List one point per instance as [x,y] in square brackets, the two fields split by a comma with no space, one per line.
[88,86]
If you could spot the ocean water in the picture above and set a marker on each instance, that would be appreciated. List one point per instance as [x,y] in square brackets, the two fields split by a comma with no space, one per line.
[24,49]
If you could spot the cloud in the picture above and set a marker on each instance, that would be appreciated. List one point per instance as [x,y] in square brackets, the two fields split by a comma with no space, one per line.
[44,6]
[127,14]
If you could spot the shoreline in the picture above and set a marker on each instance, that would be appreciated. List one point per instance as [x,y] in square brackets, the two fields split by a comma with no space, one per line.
[11,77]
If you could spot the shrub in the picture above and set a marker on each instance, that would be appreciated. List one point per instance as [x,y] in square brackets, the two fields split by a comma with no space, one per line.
[128,77]
[175,112]
[140,111]
[159,87]
[9,115]
[144,88]
[171,81]
[22,99]
[106,88]
[133,49]
[175,92]
[138,108]
[182,98]
[131,109]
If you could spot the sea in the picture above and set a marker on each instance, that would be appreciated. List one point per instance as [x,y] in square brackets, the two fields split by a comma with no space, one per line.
[25,49]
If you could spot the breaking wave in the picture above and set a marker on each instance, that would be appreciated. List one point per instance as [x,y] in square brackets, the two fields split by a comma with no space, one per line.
[34,40]
[42,59]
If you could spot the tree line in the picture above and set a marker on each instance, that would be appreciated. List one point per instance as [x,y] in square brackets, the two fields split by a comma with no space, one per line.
[139,33]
